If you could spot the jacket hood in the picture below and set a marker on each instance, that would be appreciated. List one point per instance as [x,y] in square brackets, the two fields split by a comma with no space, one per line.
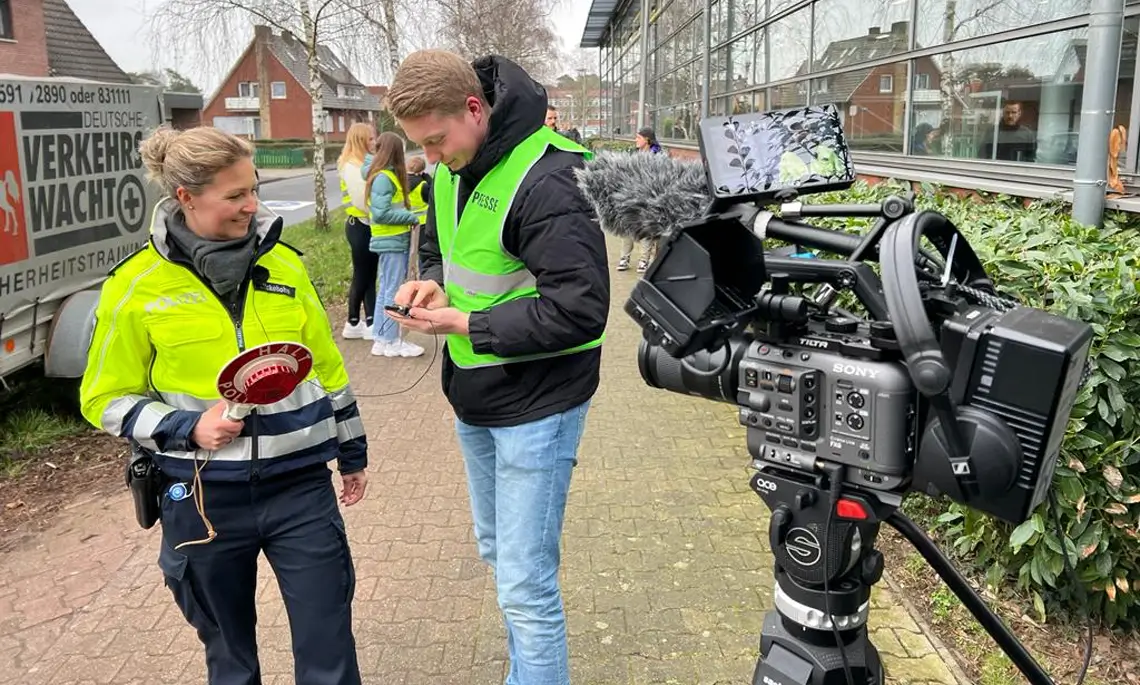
[267,224]
[518,109]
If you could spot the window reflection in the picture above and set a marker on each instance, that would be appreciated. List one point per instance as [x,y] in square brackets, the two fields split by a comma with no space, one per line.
[1013,102]
[790,38]
[1007,100]
[871,103]
[946,21]
[848,32]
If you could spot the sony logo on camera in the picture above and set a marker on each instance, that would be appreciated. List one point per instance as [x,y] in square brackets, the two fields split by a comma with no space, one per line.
[854,370]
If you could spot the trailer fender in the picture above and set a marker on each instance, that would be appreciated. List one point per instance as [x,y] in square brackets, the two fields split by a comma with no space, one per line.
[70,336]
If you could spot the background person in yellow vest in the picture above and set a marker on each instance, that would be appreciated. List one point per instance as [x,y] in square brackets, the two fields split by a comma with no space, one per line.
[419,181]
[392,221]
[358,144]
[515,274]
[215,279]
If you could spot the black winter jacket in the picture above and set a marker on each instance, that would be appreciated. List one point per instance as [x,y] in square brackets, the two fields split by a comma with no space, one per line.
[554,231]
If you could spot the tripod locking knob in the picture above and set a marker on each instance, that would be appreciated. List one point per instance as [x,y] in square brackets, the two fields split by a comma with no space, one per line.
[873,567]
[804,499]
[778,526]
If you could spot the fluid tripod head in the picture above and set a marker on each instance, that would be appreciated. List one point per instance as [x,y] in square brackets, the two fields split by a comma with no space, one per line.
[943,387]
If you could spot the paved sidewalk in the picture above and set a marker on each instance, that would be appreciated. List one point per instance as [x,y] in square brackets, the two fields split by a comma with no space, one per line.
[666,569]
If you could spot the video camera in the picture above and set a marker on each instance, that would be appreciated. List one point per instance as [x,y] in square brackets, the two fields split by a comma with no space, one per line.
[944,387]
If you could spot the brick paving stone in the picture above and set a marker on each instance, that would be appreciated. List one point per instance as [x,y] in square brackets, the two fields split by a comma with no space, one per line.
[666,569]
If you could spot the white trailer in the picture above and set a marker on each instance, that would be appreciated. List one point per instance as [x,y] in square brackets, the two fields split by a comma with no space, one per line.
[74,202]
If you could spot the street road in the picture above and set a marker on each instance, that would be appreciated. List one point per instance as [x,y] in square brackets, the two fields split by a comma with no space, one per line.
[292,198]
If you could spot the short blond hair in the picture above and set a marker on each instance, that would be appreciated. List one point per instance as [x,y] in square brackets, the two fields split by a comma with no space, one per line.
[190,159]
[416,165]
[432,82]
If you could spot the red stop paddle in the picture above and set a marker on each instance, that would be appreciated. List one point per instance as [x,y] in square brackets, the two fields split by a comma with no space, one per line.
[262,375]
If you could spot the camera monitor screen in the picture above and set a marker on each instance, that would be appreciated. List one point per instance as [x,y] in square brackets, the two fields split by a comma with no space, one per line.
[762,155]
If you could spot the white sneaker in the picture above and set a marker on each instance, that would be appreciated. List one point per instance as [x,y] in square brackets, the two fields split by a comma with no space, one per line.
[357,332]
[384,349]
[404,348]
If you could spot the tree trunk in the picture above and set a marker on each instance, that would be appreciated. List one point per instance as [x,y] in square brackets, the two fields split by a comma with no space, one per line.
[315,93]
[948,82]
[391,35]
[262,38]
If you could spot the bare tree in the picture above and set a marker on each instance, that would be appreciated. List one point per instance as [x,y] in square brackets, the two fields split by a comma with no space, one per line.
[962,19]
[361,29]
[519,30]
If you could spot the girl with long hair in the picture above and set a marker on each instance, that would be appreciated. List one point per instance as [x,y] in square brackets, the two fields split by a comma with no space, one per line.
[392,220]
[362,292]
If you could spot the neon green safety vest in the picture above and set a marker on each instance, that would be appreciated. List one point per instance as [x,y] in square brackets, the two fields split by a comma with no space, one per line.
[379,230]
[478,272]
[417,202]
[346,200]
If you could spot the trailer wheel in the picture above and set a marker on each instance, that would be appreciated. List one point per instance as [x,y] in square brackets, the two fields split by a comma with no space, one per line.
[70,336]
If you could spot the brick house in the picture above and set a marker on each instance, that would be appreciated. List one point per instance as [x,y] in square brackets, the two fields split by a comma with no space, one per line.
[277,66]
[871,101]
[43,38]
[577,108]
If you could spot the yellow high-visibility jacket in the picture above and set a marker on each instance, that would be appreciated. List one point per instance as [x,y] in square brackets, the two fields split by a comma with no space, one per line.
[162,335]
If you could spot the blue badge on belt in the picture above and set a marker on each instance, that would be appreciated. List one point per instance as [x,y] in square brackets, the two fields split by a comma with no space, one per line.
[178,492]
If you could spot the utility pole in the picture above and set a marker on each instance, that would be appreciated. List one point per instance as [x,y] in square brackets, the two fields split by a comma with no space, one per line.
[644,64]
[1098,110]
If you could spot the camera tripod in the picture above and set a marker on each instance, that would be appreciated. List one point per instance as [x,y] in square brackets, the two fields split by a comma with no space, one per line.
[822,533]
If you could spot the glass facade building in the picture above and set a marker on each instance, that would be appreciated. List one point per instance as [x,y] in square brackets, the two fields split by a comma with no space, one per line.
[940,88]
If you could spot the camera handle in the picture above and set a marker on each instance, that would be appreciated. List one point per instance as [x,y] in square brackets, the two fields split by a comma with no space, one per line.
[823,540]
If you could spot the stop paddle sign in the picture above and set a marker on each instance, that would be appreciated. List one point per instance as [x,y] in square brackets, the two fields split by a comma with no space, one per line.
[262,375]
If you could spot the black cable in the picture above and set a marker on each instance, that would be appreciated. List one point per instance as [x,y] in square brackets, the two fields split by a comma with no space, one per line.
[835,474]
[1056,509]
[434,354]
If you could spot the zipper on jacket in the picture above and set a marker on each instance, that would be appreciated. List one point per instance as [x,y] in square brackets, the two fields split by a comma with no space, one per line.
[236,311]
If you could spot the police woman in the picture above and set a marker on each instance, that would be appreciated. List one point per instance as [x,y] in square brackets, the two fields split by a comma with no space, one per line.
[213,280]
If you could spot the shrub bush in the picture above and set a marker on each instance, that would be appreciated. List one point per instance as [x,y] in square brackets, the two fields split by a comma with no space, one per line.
[1040,256]
[596,144]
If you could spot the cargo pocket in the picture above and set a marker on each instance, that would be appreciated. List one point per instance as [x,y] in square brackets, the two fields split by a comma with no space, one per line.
[175,569]
[348,573]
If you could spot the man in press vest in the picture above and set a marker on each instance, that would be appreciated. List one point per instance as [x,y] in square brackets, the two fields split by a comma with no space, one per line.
[515,275]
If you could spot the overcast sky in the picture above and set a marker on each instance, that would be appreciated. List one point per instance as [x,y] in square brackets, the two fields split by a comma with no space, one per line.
[121,27]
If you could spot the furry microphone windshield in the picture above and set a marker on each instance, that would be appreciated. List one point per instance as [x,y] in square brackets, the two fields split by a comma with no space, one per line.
[643,196]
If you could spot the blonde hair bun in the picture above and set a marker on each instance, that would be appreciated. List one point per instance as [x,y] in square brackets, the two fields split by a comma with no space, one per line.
[191,158]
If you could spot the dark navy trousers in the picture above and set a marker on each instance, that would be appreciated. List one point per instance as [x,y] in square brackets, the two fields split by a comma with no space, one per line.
[295,520]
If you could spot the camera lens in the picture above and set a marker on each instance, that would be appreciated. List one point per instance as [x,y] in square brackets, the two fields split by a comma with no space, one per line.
[707,374]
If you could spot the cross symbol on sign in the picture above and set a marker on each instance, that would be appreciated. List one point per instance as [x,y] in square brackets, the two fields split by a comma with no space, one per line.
[131,204]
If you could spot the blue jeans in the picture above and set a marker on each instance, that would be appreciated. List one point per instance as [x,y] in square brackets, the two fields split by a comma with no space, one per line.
[518,478]
[393,271]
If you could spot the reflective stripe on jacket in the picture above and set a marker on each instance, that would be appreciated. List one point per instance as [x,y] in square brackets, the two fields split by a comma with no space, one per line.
[162,335]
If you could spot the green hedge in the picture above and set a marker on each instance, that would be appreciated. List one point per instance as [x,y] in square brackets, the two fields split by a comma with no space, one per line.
[596,144]
[1039,255]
